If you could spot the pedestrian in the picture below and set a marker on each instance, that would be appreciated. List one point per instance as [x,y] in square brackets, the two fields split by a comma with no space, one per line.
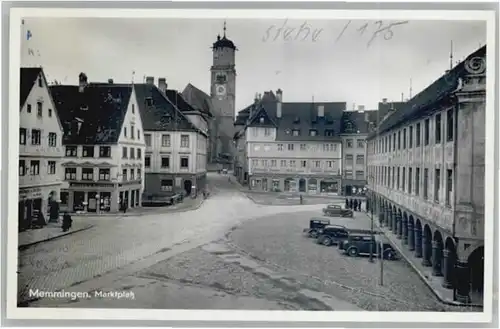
[350,203]
[346,203]
[124,206]
[67,222]
[301,199]
[355,204]
[359,204]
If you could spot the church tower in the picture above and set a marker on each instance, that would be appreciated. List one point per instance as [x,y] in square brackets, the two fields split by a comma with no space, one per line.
[223,95]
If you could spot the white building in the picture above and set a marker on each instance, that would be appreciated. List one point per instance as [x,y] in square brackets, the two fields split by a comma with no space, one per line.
[176,143]
[40,148]
[104,146]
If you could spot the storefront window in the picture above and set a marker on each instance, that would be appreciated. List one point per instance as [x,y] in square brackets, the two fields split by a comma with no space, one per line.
[290,185]
[329,187]
[312,185]
[105,202]
[276,185]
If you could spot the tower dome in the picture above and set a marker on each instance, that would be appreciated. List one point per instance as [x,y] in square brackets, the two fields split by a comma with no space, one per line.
[223,42]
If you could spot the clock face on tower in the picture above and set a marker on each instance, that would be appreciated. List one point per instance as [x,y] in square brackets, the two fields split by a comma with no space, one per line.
[220,90]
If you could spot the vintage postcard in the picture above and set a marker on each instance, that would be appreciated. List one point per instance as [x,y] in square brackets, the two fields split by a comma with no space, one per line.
[201,164]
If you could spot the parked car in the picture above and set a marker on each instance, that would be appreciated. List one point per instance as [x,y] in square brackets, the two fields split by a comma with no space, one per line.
[331,235]
[224,171]
[359,244]
[315,224]
[335,210]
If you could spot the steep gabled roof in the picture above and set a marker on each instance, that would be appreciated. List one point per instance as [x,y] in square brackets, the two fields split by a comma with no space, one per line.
[94,116]
[261,119]
[158,113]
[435,92]
[28,78]
[198,99]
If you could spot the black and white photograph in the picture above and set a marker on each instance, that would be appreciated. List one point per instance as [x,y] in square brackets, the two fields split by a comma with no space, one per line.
[218,161]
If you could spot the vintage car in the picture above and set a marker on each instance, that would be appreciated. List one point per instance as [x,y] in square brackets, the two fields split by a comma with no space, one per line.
[360,244]
[315,225]
[334,210]
[332,234]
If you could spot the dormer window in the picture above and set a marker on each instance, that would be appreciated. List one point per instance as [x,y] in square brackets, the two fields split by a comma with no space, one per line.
[149,101]
[296,120]
[261,120]
[329,132]
[313,132]
[296,132]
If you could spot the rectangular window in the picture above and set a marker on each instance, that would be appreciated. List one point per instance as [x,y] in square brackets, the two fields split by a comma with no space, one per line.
[88,151]
[329,163]
[317,164]
[39,109]
[105,151]
[184,162]
[313,132]
[394,142]
[273,163]
[147,161]
[389,139]
[139,173]
[22,167]
[267,132]
[51,167]
[349,158]
[280,147]
[167,185]
[303,147]
[399,179]
[438,128]
[303,163]
[165,140]
[361,143]
[125,131]
[132,174]
[283,163]
[449,186]
[50,113]
[52,139]
[410,180]
[139,154]
[426,183]
[138,134]
[360,175]
[404,139]
[71,151]
[417,135]
[87,173]
[165,162]
[348,174]
[133,108]
[394,177]
[437,184]
[70,174]
[36,136]
[28,108]
[399,140]
[184,140]
[348,143]
[40,82]
[290,147]
[449,125]
[292,163]
[124,174]
[417,181]
[410,139]
[132,132]
[147,139]
[426,131]
[403,183]
[255,163]
[22,136]
[132,153]
[104,174]
[124,153]
[360,159]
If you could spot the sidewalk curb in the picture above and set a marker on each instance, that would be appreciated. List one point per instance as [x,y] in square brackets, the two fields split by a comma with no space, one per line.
[420,274]
[24,246]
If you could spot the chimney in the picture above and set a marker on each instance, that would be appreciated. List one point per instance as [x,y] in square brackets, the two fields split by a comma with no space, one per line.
[279,104]
[384,100]
[361,108]
[162,85]
[321,111]
[110,81]
[367,116]
[83,82]
[256,98]
[150,80]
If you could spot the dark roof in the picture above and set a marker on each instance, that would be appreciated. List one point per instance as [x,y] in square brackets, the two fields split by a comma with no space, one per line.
[421,104]
[296,116]
[28,78]
[158,113]
[198,99]
[100,110]
[354,122]
[223,43]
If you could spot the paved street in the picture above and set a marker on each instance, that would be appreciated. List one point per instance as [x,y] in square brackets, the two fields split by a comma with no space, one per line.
[229,254]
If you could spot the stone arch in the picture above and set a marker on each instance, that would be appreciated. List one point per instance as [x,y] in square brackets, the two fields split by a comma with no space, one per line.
[418,238]
[427,246]
[437,253]
[411,233]
[405,227]
[476,268]
[449,260]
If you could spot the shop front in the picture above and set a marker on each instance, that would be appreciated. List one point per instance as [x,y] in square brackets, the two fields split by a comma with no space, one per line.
[93,197]
[37,204]
[351,187]
[329,186]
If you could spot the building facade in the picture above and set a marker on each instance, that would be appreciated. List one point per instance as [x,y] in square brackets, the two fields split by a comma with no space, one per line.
[176,143]
[104,146]
[40,149]
[426,175]
[291,147]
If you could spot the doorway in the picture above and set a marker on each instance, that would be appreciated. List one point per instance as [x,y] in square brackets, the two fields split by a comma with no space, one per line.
[302,185]
[187,186]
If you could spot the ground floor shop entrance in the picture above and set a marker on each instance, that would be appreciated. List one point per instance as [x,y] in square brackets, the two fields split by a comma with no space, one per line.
[306,185]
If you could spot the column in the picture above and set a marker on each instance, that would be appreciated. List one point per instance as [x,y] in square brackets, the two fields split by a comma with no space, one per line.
[394,223]
[426,251]
[400,227]
[411,236]
[436,259]
[405,230]
[418,242]
[85,201]
[462,277]
[449,264]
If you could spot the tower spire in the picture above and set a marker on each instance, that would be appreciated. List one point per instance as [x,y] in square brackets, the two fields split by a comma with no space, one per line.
[451,54]
[224,28]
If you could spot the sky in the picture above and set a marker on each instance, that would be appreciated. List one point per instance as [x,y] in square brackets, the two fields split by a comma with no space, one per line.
[325,65]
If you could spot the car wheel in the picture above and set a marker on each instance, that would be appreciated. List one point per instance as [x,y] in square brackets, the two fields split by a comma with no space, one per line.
[313,234]
[327,241]
[353,252]
[389,255]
